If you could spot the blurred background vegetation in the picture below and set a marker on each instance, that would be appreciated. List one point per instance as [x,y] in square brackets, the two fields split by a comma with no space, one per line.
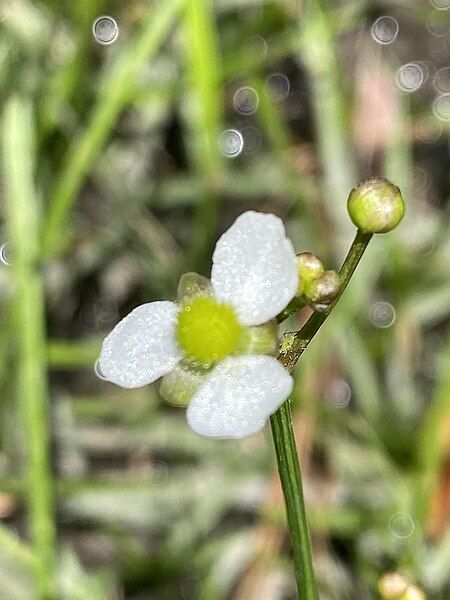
[115,180]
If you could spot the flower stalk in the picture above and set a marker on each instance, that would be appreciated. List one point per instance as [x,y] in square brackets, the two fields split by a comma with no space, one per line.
[292,347]
[291,482]
[227,338]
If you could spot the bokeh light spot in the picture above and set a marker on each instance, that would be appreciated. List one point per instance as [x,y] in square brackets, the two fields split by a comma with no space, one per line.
[245,101]
[410,77]
[105,30]
[231,143]
[401,525]
[382,314]
[385,30]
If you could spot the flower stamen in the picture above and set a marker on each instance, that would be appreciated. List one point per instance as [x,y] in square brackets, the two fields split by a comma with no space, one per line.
[208,331]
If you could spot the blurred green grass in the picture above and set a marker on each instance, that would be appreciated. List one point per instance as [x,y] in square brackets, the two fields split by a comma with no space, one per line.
[113,185]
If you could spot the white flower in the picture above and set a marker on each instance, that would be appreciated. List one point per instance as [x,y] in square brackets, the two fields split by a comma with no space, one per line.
[212,348]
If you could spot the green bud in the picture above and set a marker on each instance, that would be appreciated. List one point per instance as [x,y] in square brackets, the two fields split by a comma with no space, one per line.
[323,290]
[191,285]
[392,586]
[260,339]
[413,593]
[376,205]
[178,386]
[309,267]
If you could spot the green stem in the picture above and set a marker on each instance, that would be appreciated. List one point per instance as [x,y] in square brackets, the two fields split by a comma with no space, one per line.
[292,347]
[294,306]
[22,217]
[294,343]
[291,482]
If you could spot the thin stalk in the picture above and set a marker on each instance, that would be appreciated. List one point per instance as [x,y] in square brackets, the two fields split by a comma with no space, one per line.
[292,347]
[294,343]
[22,215]
[294,306]
[291,482]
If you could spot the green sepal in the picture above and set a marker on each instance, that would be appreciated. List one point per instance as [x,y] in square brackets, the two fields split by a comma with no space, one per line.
[179,386]
[260,339]
[192,285]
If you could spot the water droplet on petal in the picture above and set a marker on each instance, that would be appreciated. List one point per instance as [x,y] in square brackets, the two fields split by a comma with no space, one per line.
[105,30]
[98,371]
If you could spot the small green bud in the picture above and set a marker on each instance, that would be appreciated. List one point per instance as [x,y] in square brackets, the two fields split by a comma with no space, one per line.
[192,285]
[178,386]
[376,205]
[309,267]
[323,290]
[413,593]
[260,339]
[392,586]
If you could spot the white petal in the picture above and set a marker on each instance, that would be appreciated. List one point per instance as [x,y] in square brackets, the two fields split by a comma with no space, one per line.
[238,396]
[142,347]
[254,267]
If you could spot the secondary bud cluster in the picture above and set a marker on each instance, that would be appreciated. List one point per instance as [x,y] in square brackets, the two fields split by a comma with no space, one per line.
[394,586]
[318,287]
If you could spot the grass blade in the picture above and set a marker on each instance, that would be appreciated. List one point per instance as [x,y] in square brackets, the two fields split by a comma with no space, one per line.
[114,95]
[22,217]
[205,115]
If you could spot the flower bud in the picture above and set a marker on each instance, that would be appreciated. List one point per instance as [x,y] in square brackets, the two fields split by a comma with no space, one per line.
[413,593]
[376,205]
[178,386]
[309,267]
[260,339]
[392,586]
[192,285]
[322,290]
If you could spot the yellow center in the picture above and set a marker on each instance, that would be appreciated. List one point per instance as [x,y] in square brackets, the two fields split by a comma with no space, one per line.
[208,331]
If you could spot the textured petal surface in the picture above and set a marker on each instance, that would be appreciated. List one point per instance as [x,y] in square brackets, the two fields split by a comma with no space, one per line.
[142,347]
[254,267]
[238,396]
